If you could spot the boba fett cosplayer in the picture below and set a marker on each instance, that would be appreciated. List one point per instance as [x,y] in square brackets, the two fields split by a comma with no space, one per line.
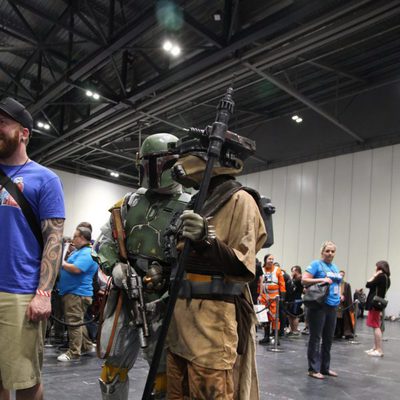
[140,273]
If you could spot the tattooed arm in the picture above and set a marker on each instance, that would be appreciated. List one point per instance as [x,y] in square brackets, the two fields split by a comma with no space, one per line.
[52,230]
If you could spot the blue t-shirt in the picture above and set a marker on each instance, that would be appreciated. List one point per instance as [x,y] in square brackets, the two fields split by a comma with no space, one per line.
[20,252]
[320,269]
[79,284]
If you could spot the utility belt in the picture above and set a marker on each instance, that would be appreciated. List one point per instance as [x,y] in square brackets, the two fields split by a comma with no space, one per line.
[215,289]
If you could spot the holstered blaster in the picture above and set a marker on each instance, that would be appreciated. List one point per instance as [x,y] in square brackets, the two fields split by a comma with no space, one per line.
[134,287]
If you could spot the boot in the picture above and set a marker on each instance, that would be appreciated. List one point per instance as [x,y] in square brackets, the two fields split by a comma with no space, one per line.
[266,338]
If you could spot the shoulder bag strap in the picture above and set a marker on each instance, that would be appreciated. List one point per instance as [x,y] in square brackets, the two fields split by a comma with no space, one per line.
[26,208]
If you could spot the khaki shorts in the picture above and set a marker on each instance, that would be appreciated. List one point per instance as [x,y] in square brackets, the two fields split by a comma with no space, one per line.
[21,343]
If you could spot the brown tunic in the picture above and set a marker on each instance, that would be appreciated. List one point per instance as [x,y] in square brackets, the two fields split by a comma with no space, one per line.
[205,331]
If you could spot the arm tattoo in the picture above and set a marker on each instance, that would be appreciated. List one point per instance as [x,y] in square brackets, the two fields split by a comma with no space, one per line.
[52,231]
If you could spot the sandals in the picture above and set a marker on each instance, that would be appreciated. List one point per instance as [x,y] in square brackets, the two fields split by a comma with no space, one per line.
[375,353]
[331,373]
[316,375]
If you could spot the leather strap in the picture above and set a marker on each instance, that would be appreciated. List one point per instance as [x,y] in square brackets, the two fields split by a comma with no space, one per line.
[26,208]
[113,329]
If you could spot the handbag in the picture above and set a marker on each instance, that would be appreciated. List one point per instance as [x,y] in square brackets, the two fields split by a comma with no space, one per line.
[316,294]
[378,302]
[261,312]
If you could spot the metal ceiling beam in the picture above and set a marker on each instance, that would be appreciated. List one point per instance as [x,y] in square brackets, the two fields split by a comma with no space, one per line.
[16,82]
[127,36]
[43,15]
[335,14]
[261,30]
[28,39]
[230,18]
[103,151]
[309,8]
[98,172]
[32,32]
[202,31]
[335,70]
[299,96]
[152,64]
[48,160]
[135,178]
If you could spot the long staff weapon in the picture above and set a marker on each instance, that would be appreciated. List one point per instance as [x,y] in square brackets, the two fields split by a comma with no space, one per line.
[216,140]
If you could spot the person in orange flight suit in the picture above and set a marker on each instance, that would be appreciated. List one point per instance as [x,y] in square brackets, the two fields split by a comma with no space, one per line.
[271,284]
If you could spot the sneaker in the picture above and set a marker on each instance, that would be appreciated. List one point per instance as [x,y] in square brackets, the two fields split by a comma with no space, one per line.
[64,357]
[305,331]
[375,353]
[369,351]
[88,351]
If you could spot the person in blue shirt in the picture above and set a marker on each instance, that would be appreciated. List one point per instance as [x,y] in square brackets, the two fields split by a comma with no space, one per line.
[322,318]
[29,257]
[76,289]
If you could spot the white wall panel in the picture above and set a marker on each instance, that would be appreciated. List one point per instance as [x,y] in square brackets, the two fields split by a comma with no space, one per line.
[353,199]
[341,211]
[360,213]
[381,183]
[265,184]
[292,216]
[278,179]
[324,204]
[253,181]
[393,256]
[309,182]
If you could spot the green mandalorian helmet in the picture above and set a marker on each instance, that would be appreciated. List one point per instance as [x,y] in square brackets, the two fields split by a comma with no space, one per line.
[154,161]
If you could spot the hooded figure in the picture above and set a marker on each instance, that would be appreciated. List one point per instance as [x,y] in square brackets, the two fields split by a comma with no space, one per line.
[211,336]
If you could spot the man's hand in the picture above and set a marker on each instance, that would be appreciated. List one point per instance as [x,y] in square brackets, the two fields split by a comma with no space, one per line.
[39,309]
[192,225]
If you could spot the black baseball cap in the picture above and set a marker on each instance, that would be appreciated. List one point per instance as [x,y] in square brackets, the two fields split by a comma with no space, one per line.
[17,112]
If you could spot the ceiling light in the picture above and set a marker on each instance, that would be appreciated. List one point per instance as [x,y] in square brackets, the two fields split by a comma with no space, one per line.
[295,117]
[176,50]
[167,46]
[96,96]
[89,93]
[40,124]
[217,16]
[46,126]
[114,174]
[298,120]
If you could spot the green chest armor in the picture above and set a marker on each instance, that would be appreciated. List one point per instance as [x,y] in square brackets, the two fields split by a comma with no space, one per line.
[149,214]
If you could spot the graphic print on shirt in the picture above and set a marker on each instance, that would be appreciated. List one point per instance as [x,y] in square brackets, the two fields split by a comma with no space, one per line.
[6,199]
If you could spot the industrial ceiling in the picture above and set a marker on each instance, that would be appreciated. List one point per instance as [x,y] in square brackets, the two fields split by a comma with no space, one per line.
[336,64]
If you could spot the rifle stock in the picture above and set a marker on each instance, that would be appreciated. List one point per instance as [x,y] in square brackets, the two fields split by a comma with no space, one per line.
[134,287]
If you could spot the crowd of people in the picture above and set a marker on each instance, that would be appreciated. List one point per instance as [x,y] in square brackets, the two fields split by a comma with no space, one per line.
[210,346]
[332,318]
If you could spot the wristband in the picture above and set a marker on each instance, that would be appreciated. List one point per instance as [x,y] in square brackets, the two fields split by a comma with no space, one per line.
[45,293]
